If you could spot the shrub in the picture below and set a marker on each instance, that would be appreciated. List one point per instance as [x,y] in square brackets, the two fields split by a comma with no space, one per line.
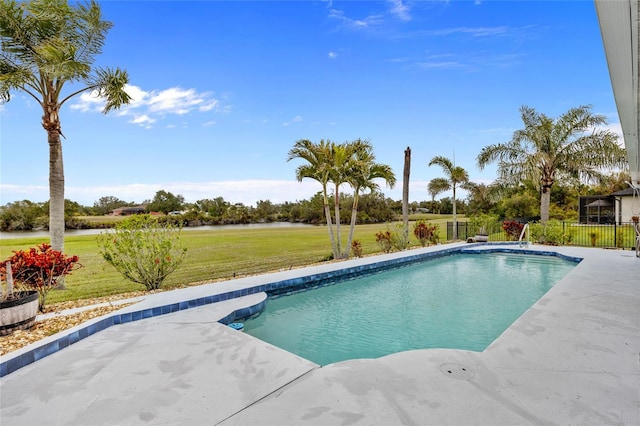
[400,237]
[38,268]
[512,229]
[143,250]
[356,248]
[551,233]
[426,233]
[487,221]
[383,239]
[620,239]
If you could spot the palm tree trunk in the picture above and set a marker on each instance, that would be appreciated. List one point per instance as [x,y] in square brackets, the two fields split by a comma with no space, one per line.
[327,215]
[56,191]
[455,217]
[352,226]
[545,202]
[405,193]
[337,214]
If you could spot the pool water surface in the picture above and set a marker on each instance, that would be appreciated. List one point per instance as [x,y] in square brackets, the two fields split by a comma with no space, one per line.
[463,301]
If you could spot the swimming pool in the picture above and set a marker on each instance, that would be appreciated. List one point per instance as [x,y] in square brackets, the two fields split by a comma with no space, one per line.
[462,301]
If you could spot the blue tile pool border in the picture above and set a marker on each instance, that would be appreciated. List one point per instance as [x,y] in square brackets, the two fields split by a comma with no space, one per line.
[272,289]
[521,251]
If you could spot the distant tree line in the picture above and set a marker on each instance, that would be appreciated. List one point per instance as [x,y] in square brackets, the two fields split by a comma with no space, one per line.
[505,202]
[27,215]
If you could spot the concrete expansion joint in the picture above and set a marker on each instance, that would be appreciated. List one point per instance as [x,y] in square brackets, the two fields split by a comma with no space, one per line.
[274,394]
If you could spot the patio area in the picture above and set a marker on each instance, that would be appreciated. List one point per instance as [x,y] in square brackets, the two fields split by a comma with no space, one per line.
[572,358]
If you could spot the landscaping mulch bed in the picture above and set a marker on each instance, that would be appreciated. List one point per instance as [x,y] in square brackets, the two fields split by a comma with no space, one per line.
[46,327]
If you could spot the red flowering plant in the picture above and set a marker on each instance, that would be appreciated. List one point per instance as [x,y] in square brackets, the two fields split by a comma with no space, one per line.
[513,229]
[38,268]
[425,232]
[384,241]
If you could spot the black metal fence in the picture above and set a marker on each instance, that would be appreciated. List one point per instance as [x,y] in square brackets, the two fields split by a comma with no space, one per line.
[616,235]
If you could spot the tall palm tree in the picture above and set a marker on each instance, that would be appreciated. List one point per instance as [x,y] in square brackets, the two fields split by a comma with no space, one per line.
[363,175]
[547,149]
[45,45]
[437,186]
[317,167]
[455,176]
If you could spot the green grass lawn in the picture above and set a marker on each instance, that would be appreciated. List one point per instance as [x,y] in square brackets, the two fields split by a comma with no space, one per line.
[102,219]
[605,235]
[211,255]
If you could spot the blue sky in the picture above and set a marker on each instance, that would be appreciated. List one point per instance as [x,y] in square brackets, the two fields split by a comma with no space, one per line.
[222,90]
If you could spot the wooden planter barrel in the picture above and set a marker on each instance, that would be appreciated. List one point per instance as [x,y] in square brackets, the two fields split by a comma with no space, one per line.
[18,313]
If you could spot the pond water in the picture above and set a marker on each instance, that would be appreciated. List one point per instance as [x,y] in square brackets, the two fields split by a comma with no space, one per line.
[75,232]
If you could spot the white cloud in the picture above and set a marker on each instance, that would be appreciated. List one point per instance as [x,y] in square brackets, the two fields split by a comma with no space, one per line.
[396,8]
[471,62]
[88,102]
[143,120]
[400,10]
[175,101]
[209,123]
[296,119]
[431,65]
[332,55]
[147,107]
[474,32]
[347,22]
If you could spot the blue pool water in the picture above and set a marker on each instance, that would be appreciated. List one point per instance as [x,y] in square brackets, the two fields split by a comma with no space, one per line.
[463,301]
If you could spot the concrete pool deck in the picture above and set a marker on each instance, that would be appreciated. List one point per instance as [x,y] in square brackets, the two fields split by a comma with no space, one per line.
[572,358]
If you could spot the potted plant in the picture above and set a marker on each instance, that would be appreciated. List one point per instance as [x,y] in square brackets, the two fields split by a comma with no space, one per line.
[35,272]
[18,309]
[482,236]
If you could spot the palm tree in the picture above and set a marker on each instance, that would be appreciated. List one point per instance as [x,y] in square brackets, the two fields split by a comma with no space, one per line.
[46,44]
[546,150]
[456,176]
[362,177]
[481,196]
[317,167]
[437,186]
